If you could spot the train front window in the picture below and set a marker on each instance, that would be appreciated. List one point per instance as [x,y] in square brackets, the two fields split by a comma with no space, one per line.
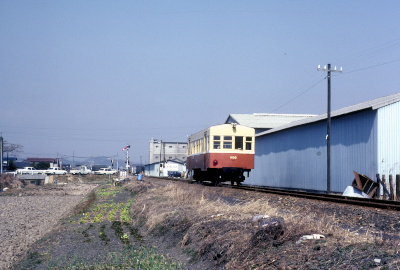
[227,142]
[217,142]
[239,142]
[249,141]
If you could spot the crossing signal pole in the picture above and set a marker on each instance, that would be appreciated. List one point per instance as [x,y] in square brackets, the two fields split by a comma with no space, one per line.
[328,135]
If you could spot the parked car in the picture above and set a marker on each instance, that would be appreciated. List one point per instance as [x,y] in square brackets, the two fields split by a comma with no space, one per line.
[29,170]
[83,170]
[55,170]
[105,171]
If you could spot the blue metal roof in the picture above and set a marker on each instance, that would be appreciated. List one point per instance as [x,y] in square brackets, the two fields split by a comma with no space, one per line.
[372,104]
[364,139]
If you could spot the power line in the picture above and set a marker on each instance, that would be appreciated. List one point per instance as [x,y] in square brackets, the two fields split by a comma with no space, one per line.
[300,94]
[377,65]
[371,52]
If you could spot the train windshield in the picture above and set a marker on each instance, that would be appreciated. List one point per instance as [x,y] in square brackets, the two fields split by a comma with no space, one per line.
[232,142]
[227,142]
[239,143]
[249,141]
[217,142]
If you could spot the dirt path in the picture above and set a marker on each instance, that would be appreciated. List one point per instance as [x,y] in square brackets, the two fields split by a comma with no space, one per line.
[26,215]
[100,237]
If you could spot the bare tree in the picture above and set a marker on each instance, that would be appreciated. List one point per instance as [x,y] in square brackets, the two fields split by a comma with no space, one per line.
[12,148]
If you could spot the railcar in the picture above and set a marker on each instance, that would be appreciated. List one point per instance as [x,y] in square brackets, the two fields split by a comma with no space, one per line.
[221,153]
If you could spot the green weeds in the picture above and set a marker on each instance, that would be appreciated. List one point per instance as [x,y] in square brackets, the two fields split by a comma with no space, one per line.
[126,212]
[111,211]
[114,218]
[106,192]
[130,258]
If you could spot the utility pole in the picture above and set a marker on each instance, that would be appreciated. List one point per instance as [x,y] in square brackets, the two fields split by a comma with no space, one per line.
[159,169]
[328,135]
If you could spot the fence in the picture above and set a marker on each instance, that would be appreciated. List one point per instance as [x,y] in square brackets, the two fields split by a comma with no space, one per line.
[388,190]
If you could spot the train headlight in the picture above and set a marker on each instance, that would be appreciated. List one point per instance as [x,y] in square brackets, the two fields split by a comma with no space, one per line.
[215,162]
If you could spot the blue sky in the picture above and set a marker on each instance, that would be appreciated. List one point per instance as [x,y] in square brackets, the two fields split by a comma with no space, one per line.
[89,77]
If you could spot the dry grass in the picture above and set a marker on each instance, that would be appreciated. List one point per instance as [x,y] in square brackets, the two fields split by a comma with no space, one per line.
[213,224]
[9,181]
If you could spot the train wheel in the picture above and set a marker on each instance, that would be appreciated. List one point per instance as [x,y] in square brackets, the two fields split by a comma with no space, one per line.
[196,175]
[215,182]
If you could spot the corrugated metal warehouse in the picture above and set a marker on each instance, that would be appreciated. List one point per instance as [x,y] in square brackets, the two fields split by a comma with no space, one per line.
[364,138]
[264,121]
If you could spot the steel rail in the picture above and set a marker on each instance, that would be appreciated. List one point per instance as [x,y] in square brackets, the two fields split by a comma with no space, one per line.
[367,202]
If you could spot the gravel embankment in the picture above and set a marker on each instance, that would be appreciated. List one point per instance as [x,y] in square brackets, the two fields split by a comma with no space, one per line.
[200,225]
[26,216]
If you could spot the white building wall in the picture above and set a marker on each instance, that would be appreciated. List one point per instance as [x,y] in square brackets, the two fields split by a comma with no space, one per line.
[389,140]
[170,166]
[164,151]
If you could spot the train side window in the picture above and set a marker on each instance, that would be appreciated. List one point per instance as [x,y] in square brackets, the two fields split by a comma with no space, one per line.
[249,140]
[227,142]
[197,146]
[217,142]
[239,142]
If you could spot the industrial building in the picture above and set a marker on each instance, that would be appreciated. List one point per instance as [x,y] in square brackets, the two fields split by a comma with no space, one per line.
[161,151]
[364,138]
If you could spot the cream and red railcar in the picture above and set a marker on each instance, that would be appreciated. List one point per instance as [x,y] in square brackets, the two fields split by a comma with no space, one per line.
[221,153]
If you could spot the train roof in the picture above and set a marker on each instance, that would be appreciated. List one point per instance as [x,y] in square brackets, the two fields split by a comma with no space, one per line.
[223,126]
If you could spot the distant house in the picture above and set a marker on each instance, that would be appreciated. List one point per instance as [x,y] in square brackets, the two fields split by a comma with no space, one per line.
[22,164]
[265,121]
[54,162]
[97,167]
[6,160]
[37,160]
[164,169]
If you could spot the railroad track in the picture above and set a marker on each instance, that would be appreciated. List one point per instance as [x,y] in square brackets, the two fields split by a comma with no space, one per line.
[367,202]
